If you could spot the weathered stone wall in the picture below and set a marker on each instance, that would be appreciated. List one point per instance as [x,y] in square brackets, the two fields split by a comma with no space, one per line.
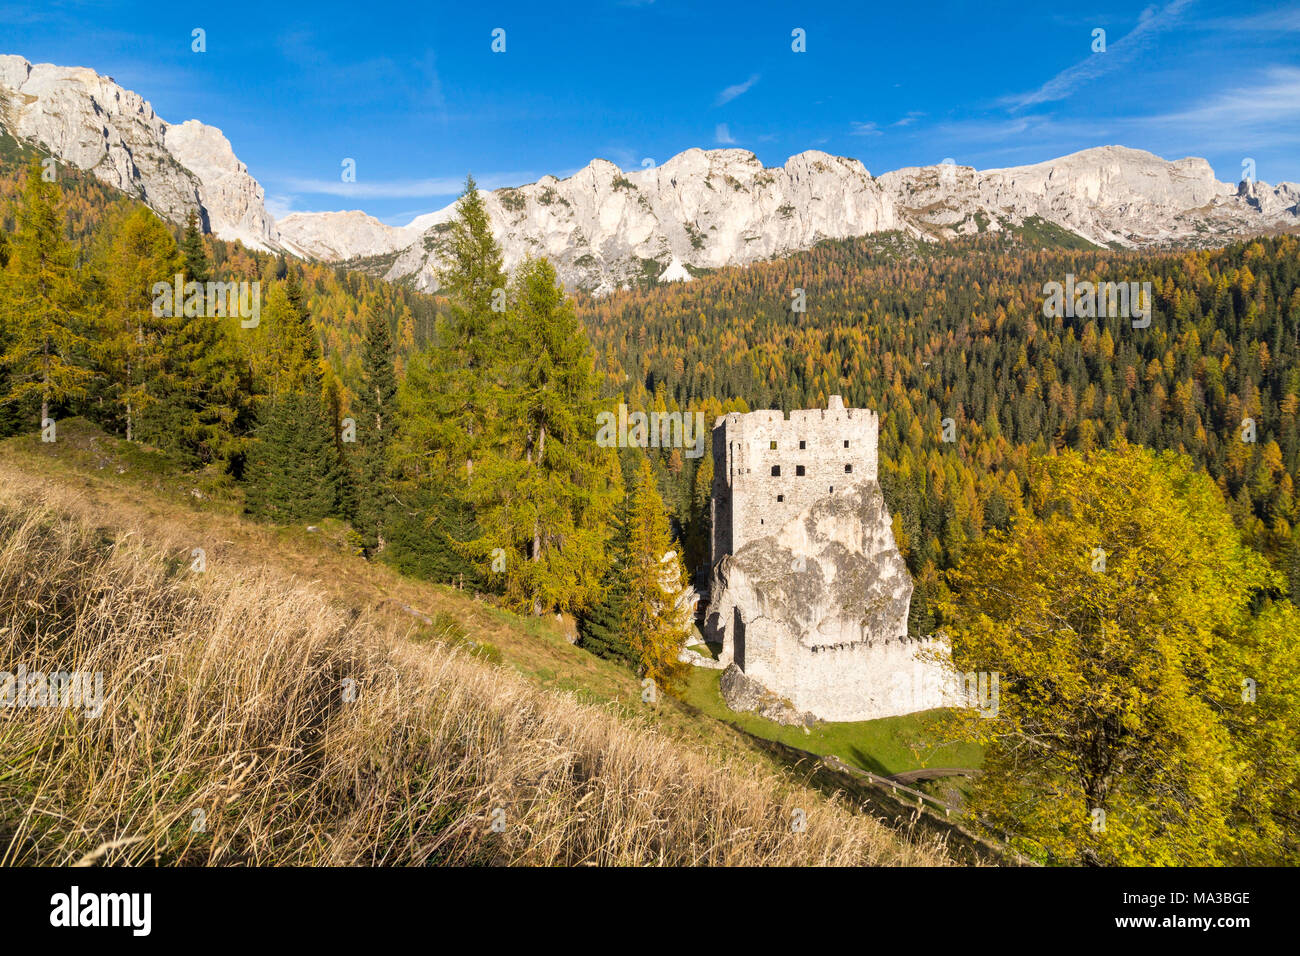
[768,468]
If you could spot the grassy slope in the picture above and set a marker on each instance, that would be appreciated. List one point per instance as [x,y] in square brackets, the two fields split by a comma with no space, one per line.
[126,486]
[226,734]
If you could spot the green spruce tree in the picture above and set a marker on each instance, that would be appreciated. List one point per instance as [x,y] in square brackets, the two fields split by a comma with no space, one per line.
[656,623]
[46,349]
[194,251]
[293,464]
[602,627]
[542,491]
[375,421]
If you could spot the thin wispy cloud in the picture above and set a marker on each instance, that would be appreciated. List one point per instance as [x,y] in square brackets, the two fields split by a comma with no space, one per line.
[866,129]
[1118,54]
[278,205]
[1273,101]
[1275,21]
[722,135]
[740,89]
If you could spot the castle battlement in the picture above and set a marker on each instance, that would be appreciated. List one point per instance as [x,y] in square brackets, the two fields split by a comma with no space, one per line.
[769,466]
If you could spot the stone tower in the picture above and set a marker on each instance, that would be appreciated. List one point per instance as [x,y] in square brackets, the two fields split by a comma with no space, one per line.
[768,468]
[809,596]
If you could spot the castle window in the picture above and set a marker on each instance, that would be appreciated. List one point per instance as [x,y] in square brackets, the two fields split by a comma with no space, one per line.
[798,469]
[772,445]
[832,489]
[780,497]
[803,444]
[848,469]
[846,443]
[776,471]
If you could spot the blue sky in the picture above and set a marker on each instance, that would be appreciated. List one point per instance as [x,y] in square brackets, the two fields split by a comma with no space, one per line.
[414,94]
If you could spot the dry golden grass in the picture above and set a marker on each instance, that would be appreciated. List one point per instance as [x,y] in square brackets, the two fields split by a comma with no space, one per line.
[225,695]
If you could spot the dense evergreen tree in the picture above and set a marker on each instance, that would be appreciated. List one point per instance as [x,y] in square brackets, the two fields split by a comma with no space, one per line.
[602,628]
[542,490]
[194,252]
[455,410]
[46,347]
[139,252]
[470,347]
[375,419]
[293,465]
[654,623]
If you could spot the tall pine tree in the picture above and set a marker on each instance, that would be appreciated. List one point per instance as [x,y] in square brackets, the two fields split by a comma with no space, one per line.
[655,620]
[46,349]
[139,251]
[542,492]
[602,627]
[205,391]
[293,465]
[375,421]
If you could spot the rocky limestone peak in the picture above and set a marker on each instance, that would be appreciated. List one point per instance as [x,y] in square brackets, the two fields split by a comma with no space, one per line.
[605,228]
[338,236]
[91,122]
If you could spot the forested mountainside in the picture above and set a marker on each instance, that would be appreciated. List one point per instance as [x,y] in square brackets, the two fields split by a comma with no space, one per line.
[340,297]
[468,455]
[918,331]
[926,334]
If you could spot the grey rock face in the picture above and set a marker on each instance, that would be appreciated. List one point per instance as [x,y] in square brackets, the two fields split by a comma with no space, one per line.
[89,121]
[604,228]
[1110,195]
[338,236]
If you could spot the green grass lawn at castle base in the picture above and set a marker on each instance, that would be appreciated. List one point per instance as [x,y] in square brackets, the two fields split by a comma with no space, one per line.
[887,746]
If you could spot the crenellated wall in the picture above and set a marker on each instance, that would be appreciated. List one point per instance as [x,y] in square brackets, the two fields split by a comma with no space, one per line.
[767,467]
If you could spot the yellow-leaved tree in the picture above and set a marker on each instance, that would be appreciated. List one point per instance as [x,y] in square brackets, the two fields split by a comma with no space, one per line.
[1148,706]
[655,621]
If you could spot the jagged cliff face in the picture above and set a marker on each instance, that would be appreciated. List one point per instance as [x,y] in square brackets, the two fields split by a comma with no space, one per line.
[1111,195]
[604,228]
[338,236]
[704,209]
[232,199]
[89,121]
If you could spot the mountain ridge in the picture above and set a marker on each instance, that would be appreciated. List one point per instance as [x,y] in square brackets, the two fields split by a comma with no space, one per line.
[606,228]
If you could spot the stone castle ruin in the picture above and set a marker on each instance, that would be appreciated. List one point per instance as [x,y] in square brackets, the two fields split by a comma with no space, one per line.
[809,596]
